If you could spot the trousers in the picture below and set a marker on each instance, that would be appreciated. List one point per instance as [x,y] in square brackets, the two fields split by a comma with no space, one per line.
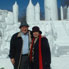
[24,62]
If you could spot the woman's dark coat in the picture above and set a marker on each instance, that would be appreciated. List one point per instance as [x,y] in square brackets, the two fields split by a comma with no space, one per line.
[15,48]
[46,55]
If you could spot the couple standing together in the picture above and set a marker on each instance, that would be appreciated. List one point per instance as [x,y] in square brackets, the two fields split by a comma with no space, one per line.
[29,49]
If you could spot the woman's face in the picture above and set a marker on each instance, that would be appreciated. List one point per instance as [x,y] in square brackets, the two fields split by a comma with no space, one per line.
[35,34]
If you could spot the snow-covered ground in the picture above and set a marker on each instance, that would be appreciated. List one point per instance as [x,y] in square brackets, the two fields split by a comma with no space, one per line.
[6,63]
[61,62]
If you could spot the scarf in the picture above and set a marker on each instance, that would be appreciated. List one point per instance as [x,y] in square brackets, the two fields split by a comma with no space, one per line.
[40,54]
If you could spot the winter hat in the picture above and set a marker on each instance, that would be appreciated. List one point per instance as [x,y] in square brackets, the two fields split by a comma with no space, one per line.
[24,24]
[36,29]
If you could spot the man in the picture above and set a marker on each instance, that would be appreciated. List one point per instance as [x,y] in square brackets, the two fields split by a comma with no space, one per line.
[19,47]
[40,55]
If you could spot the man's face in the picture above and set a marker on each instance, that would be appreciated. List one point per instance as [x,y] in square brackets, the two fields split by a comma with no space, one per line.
[35,34]
[24,29]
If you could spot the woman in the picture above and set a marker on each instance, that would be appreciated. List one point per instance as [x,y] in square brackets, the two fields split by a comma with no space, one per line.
[40,55]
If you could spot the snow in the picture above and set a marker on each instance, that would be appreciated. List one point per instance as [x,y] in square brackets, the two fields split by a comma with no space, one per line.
[56,31]
[6,63]
[60,62]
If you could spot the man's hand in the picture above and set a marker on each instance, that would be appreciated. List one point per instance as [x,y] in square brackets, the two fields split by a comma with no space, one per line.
[13,61]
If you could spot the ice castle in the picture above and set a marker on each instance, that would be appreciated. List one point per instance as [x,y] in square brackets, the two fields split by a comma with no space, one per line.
[57,31]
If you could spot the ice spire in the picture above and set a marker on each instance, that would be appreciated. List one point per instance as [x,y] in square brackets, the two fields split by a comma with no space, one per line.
[51,11]
[15,12]
[30,12]
[37,12]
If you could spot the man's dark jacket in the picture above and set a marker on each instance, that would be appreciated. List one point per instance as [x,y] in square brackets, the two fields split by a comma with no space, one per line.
[46,54]
[15,48]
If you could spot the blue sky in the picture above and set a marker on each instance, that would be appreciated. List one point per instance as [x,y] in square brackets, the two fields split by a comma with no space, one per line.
[7,4]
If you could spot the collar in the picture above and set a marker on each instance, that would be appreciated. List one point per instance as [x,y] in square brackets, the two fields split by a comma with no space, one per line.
[19,34]
[24,34]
